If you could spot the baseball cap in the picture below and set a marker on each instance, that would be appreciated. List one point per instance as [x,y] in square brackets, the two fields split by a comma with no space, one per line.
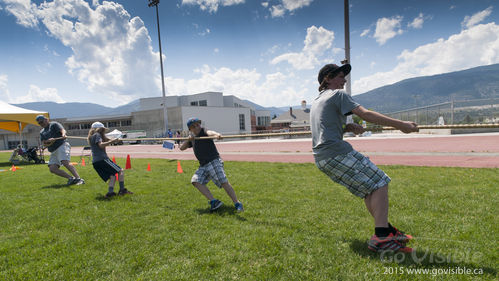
[96,125]
[191,121]
[40,118]
[333,68]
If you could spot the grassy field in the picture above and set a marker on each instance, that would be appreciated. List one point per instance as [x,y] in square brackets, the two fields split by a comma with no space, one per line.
[297,225]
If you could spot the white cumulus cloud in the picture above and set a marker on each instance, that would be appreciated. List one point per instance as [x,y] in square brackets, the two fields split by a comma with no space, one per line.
[476,46]
[211,5]
[277,11]
[284,6]
[365,32]
[317,42]
[244,83]
[417,23]
[387,28]
[476,18]
[36,94]
[4,89]
[24,11]
[112,52]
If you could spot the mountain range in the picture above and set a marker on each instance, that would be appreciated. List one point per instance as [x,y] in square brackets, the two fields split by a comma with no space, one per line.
[474,83]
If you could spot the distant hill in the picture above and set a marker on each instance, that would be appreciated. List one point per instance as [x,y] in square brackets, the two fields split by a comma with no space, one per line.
[70,109]
[273,110]
[124,109]
[474,83]
[75,109]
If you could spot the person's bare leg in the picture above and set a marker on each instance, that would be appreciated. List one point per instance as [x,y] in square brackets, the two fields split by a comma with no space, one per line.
[367,201]
[377,204]
[112,181]
[230,191]
[204,190]
[121,176]
[54,169]
[70,168]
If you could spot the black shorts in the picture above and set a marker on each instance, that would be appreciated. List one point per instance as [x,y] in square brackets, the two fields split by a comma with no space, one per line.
[106,168]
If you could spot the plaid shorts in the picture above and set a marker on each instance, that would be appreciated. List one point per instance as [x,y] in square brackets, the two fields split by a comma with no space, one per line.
[214,171]
[355,171]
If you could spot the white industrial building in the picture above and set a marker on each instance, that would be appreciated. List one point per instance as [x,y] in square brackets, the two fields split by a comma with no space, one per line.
[224,114]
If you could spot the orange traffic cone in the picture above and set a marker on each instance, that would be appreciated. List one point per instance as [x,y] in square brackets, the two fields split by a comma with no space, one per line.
[83,161]
[128,163]
[13,169]
[148,167]
[179,168]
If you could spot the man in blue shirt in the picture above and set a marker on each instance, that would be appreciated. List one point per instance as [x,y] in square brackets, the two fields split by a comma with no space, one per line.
[53,137]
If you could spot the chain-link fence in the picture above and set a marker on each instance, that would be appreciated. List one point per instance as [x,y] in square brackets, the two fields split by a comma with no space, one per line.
[479,111]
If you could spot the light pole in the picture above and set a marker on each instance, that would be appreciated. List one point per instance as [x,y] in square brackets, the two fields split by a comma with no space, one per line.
[165,115]
[347,44]
[347,51]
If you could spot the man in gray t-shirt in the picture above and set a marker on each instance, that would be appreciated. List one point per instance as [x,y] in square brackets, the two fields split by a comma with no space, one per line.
[329,113]
[53,137]
[54,130]
[338,160]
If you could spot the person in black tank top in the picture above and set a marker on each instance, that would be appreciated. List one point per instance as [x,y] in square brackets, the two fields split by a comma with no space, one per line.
[210,164]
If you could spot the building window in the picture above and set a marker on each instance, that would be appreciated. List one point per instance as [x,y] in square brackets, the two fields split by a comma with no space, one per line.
[194,103]
[14,144]
[126,123]
[203,103]
[112,124]
[73,126]
[263,120]
[241,122]
[86,126]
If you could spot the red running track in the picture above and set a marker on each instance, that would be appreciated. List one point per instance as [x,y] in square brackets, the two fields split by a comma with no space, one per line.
[475,151]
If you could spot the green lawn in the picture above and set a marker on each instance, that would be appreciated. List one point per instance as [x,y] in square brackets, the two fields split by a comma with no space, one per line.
[297,225]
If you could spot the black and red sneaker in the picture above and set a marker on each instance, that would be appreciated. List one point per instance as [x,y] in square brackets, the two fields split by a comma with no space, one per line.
[124,191]
[401,236]
[110,194]
[387,244]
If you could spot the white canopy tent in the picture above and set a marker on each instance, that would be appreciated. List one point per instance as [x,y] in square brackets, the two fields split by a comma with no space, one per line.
[114,134]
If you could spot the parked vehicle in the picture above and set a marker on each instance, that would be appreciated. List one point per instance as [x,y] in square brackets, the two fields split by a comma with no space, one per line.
[135,134]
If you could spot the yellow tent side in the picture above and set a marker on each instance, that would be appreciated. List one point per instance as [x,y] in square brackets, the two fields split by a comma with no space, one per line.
[12,126]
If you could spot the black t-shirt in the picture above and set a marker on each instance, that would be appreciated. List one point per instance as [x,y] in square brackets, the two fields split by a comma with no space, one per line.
[205,150]
[52,131]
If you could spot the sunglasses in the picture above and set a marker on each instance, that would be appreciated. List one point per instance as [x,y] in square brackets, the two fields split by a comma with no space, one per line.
[194,125]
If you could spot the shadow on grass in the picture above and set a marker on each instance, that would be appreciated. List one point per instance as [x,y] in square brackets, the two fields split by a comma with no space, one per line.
[102,197]
[222,211]
[421,258]
[21,164]
[56,186]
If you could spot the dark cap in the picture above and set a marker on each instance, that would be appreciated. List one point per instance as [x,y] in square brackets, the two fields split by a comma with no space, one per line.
[192,120]
[40,118]
[333,68]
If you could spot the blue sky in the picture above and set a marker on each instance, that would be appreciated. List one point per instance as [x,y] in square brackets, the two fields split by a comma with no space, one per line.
[269,52]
